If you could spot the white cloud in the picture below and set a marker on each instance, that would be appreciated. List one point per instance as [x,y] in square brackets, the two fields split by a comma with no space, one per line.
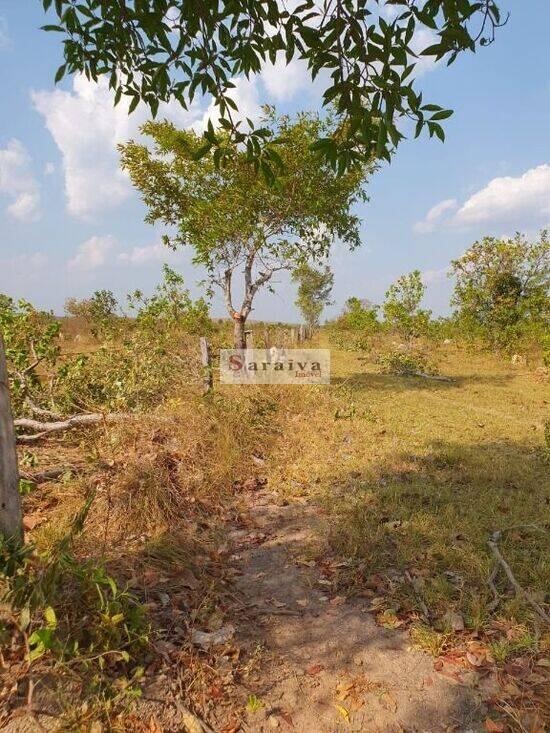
[283,82]
[524,198]
[86,128]
[434,276]
[18,182]
[522,202]
[92,253]
[25,206]
[142,255]
[435,215]
[246,97]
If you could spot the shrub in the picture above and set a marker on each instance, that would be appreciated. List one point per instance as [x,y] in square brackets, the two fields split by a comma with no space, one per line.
[405,362]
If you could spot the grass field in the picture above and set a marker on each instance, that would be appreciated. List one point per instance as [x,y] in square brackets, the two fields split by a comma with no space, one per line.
[415,476]
[411,478]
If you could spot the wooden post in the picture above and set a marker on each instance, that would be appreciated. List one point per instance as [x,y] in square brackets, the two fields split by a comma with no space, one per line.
[266,337]
[249,339]
[301,333]
[206,361]
[292,336]
[11,518]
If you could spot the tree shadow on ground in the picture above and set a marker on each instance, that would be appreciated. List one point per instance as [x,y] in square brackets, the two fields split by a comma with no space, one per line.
[421,517]
[396,383]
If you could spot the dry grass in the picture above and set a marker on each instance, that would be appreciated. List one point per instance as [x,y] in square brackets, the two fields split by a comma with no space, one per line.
[415,476]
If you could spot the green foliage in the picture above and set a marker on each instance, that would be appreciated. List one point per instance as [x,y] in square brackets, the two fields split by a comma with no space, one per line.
[30,339]
[314,289]
[359,315]
[173,49]
[405,362]
[231,217]
[100,311]
[170,307]
[502,289]
[402,306]
[132,370]
[156,353]
[50,591]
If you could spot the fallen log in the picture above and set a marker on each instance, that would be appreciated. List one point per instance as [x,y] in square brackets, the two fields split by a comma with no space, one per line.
[50,474]
[55,426]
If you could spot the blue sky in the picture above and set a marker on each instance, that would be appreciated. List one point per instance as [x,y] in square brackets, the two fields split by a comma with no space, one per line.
[71,223]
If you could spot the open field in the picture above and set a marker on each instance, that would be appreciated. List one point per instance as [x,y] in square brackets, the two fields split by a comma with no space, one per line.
[290,515]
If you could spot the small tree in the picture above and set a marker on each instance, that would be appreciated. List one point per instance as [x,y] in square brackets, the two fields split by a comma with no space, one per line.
[402,305]
[502,287]
[235,220]
[359,315]
[314,289]
[100,311]
[170,307]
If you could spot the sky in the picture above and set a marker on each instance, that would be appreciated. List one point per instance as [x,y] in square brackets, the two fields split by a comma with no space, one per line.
[71,222]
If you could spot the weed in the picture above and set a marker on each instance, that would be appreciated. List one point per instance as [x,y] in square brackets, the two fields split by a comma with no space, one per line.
[253,704]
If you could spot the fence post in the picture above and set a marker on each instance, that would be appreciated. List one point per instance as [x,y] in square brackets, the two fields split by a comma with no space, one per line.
[10,501]
[249,338]
[206,361]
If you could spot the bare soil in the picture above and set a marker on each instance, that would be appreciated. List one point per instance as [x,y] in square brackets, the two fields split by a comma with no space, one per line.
[326,664]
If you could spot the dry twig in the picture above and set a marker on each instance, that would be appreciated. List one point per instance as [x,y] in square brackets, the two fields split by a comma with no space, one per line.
[501,562]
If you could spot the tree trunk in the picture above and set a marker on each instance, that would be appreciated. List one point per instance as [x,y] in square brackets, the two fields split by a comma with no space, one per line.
[11,519]
[239,336]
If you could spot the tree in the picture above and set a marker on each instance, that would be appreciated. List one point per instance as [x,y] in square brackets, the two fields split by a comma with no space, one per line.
[11,520]
[502,287]
[100,311]
[156,50]
[314,289]
[170,306]
[402,305]
[360,314]
[233,218]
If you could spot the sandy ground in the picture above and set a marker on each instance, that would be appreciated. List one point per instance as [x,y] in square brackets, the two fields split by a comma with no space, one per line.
[326,664]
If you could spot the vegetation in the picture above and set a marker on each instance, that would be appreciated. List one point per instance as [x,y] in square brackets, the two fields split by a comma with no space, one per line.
[365,49]
[232,218]
[314,289]
[501,289]
[401,307]
[124,517]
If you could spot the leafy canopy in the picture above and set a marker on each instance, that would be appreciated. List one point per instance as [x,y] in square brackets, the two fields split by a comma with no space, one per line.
[363,50]
[234,218]
[502,286]
[314,289]
[402,305]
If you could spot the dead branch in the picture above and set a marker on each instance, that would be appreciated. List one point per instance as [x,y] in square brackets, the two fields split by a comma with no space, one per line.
[49,474]
[45,428]
[501,562]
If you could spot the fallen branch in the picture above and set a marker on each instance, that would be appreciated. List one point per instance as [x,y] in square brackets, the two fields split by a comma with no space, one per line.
[48,475]
[45,428]
[501,562]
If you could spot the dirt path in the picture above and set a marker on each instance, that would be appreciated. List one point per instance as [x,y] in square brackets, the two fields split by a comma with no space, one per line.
[326,665]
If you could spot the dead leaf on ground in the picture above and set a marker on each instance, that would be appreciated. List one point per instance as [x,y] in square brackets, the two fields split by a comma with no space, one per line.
[493,726]
[342,711]
[314,669]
